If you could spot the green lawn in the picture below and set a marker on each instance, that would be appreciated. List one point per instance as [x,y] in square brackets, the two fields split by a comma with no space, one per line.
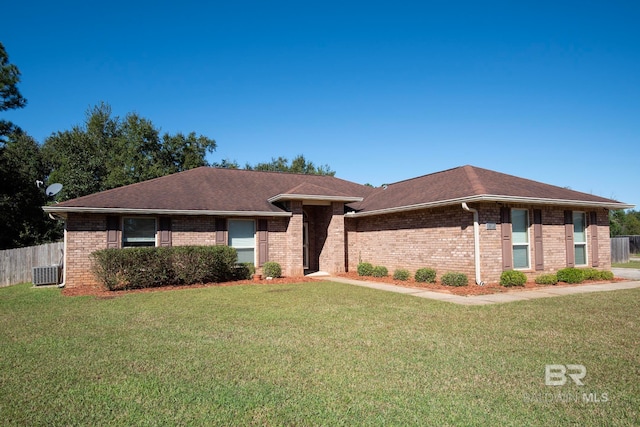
[630,264]
[313,354]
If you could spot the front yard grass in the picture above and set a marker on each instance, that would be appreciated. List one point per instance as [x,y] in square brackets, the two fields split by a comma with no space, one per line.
[314,354]
[630,264]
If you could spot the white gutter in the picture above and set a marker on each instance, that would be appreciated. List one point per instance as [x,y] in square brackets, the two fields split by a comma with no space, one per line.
[74,209]
[493,198]
[476,241]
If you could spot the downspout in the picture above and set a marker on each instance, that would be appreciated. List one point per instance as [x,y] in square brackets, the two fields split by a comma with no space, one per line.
[476,241]
[64,257]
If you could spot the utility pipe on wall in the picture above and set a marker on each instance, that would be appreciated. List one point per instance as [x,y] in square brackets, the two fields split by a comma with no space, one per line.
[476,241]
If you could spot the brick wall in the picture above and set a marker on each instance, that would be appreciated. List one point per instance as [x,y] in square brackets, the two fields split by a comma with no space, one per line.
[85,234]
[442,238]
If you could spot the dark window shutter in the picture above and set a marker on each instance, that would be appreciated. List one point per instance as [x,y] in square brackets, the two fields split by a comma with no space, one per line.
[507,249]
[568,237]
[164,228]
[113,225]
[221,231]
[263,241]
[537,239]
[593,228]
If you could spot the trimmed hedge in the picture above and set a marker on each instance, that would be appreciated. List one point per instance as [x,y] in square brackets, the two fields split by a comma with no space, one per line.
[454,279]
[570,275]
[425,275]
[365,269]
[380,271]
[401,274]
[271,269]
[513,278]
[547,279]
[135,268]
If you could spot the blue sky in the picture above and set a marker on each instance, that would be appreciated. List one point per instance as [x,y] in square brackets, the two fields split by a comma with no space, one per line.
[381,91]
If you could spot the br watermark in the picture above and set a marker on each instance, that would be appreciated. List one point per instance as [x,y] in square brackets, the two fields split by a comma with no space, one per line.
[561,375]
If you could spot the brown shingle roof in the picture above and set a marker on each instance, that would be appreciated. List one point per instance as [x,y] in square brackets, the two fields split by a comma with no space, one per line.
[469,183]
[213,191]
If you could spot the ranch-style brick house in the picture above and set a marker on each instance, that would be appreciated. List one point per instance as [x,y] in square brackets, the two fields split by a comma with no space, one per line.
[466,219]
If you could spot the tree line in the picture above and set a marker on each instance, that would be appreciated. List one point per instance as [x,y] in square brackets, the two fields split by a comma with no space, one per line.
[103,152]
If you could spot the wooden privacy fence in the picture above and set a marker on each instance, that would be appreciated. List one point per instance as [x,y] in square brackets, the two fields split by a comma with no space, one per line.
[16,264]
[619,249]
[634,244]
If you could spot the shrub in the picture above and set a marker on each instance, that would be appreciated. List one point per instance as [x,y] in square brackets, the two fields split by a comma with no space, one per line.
[271,269]
[244,271]
[547,279]
[513,278]
[590,274]
[401,274]
[365,269]
[380,271]
[570,275]
[454,279]
[149,267]
[425,275]
[593,274]
[605,275]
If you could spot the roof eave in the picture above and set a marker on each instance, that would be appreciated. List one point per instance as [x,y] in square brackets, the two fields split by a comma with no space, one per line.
[63,210]
[314,197]
[493,198]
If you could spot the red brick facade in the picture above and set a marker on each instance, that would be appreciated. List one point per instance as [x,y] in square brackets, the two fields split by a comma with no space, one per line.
[440,238]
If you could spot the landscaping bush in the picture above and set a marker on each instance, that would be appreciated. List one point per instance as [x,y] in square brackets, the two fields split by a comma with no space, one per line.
[513,278]
[134,268]
[593,274]
[427,275]
[590,274]
[271,269]
[570,275]
[365,269]
[454,279]
[401,274]
[605,275]
[547,279]
[244,271]
[380,271]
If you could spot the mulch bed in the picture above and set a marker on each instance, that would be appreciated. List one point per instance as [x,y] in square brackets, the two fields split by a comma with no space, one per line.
[471,289]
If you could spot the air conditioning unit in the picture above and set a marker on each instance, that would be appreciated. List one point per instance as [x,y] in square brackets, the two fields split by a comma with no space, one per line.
[49,275]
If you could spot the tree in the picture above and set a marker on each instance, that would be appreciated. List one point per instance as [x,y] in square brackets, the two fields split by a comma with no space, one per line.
[23,221]
[107,152]
[298,165]
[623,223]
[10,97]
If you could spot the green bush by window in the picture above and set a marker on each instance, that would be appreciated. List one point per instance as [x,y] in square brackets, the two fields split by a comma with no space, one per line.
[570,275]
[380,271]
[427,275]
[365,269]
[271,269]
[605,275]
[513,278]
[454,279]
[546,279]
[401,274]
[146,267]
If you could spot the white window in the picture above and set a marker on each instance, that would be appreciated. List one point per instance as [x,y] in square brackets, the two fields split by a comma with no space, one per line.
[520,238]
[242,237]
[580,237]
[138,232]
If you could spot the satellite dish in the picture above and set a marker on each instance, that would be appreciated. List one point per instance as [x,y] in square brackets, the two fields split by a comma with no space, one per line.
[53,189]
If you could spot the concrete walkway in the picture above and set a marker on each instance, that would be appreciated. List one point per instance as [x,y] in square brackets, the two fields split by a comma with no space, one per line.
[509,296]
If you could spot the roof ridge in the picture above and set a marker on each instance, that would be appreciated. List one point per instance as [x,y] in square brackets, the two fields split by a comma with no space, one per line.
[474,179]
